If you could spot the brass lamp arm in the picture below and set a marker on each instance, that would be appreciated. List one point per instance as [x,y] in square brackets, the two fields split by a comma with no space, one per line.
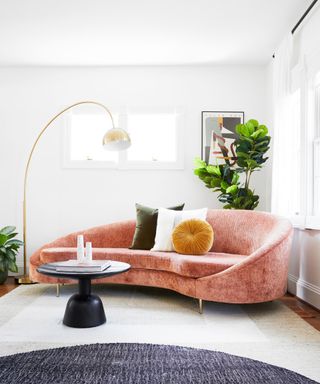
[25,278]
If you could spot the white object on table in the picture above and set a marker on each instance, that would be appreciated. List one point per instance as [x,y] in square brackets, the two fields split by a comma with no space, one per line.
[80,248]
[88,257]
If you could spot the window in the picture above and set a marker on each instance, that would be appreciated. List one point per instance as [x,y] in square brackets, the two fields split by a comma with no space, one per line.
[155,136]
[296,144]
[295,159]
[85,137]
[316,155]
[307,178]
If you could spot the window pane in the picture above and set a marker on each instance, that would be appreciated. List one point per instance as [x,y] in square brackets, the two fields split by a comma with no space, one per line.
[316,157]
[153,137]
[86,133]
[295,177]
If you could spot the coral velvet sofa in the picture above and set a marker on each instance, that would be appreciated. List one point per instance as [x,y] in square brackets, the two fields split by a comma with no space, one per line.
[248,262]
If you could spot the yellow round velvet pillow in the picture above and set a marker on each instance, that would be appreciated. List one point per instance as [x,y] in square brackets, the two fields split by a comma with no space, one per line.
[192,237]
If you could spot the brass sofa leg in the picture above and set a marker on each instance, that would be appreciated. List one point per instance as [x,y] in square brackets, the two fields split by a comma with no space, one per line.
[58,290]
[200,306]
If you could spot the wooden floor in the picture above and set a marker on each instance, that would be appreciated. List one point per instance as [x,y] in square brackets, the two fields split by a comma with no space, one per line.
[8,286]
[308,313]
[304,310]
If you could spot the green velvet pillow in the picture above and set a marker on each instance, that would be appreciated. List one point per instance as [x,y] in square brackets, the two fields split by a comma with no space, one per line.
[146,226]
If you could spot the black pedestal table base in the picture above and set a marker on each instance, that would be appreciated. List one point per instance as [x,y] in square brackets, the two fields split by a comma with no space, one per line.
[84,310]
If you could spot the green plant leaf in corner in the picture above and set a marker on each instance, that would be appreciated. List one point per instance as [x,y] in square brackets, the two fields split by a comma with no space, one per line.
[249,129]
[235,178]
[7,230]
[232,189]
[224,185]
[254,122]
[3,238]
[214,170]
[16,242]
[12,266]
[198,163]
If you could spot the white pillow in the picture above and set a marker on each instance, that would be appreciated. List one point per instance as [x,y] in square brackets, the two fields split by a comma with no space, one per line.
[200,214]
[168,219]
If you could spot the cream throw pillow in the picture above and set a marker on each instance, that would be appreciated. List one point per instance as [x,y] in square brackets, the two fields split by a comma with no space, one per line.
[168,220]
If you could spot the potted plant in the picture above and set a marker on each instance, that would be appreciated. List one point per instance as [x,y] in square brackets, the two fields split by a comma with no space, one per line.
[235,192]
[9,247]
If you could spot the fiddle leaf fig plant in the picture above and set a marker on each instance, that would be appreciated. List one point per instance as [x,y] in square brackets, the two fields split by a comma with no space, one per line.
[9,247]
[233,183]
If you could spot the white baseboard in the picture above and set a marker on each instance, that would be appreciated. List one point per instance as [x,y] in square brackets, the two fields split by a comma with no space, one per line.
[306,291]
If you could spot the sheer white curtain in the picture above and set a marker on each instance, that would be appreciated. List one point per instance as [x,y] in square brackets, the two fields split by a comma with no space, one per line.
[286,134]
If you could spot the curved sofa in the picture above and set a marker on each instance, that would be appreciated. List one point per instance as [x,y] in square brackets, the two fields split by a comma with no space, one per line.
[248,262]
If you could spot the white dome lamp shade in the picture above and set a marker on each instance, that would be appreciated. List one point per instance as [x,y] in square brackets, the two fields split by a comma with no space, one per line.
[116,139]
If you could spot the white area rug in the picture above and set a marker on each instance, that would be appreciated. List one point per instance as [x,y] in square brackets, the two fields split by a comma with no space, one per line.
[31,318]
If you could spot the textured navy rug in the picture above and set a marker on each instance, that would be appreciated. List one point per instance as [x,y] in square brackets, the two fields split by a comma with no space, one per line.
[139,363]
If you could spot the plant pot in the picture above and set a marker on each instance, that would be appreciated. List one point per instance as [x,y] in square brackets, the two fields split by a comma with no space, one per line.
[3,276]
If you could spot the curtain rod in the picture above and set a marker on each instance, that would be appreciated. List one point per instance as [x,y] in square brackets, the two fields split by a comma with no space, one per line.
[302,18]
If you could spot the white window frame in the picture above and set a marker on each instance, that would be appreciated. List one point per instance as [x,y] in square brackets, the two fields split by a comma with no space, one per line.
[122,162]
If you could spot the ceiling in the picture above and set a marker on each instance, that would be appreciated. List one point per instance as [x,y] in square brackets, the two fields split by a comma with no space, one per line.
[143,32]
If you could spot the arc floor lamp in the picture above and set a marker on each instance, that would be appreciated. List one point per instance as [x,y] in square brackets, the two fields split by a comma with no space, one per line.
[116,139]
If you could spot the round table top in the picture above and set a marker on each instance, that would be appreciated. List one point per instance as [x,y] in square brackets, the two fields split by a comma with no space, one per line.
[115,268]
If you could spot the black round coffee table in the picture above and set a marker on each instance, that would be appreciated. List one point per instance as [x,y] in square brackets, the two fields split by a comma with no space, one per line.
[84,310]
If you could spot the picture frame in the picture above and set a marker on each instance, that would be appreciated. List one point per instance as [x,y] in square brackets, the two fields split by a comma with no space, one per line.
[218,135]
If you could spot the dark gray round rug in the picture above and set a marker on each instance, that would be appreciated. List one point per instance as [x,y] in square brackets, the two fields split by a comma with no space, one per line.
[139,363]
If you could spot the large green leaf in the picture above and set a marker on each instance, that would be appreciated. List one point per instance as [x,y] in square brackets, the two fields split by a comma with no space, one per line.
[246,130]
[2,266]
[12,266]
[249,128]
[243,155]
[224,185]
[232,189]
[3,239]
[254,122]
[243,146]
[264,130]
[16,242]
[252,163]
[215,183]
[199,163]
[256,134]
[200,172]
[214,169]
[11,255]
[235,178]
[7,230]
[12,235]
[241,162]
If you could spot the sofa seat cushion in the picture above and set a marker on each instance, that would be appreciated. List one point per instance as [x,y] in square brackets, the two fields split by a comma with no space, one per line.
[184,265]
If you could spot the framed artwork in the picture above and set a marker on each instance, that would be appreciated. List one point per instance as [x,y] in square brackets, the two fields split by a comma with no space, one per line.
[218,133]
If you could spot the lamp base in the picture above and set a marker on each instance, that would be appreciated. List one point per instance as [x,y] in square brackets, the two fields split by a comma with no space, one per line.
[24,280]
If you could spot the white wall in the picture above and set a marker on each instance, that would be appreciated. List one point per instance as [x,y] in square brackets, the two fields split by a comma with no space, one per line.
[59,200]
[304,268]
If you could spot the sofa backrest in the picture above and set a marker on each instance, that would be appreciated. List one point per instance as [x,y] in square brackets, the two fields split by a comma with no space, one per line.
[235,231]
[243,232]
